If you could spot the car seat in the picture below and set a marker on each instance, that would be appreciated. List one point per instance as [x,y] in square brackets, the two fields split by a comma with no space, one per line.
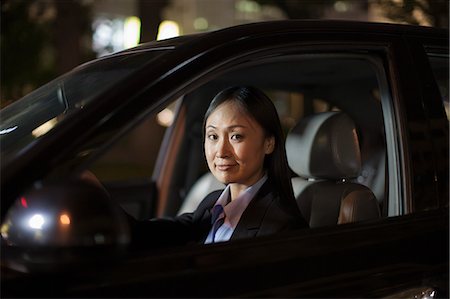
[323,150]
[206,184]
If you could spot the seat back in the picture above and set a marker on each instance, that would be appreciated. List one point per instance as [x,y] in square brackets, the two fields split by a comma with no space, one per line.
[323,150]
[206,184]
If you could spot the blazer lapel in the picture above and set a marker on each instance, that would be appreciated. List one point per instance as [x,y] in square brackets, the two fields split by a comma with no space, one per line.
[202,216]
[253,216]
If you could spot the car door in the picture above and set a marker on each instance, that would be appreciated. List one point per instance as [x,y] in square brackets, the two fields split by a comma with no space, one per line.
[367,254]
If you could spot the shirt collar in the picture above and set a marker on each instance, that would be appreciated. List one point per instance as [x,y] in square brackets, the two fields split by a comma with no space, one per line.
[234,209]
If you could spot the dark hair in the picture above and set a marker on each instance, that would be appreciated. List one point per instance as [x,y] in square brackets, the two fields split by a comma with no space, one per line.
[258,106]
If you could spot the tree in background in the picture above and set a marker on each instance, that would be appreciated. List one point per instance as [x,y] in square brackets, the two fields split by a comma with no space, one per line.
[301,9]
[72,35]
[433,12]
[40,39]
[150,15]
[25,40]
[416,12]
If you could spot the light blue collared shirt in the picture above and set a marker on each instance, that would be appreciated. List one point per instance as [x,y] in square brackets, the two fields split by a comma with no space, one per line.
[233,210]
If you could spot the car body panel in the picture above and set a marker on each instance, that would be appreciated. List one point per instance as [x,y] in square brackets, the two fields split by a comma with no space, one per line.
[372,260]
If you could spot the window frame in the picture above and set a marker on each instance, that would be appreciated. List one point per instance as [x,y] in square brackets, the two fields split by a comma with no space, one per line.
[377,55]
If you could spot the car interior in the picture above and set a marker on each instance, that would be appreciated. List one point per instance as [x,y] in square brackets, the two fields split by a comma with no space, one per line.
[330,109]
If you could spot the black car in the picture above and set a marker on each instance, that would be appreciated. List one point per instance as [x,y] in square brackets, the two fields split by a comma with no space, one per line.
[125,132]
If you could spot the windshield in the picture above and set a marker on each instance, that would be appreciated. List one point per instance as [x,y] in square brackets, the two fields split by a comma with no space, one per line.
[24,121]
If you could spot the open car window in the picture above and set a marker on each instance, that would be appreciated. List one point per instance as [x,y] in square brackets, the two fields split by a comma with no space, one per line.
[299,86]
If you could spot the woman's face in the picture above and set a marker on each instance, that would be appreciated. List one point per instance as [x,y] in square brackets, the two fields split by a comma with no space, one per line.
[235,145]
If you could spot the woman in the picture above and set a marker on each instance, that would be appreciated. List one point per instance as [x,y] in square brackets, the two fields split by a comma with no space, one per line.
[244,149]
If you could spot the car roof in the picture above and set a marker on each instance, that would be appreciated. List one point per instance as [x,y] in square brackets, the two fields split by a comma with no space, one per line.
[291,26]
[209,39]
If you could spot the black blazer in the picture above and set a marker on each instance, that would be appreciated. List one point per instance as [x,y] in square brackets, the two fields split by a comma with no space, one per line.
[263,216]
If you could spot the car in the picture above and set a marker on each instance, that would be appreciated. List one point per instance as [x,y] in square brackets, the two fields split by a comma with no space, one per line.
[124,132]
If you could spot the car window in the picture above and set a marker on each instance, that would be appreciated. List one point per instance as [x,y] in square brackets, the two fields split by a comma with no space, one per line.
[440,67]
[134,155]
[154,171]
[126,168]
[39,112]
[299,86]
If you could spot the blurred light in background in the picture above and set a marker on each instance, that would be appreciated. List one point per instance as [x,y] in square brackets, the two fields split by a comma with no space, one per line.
[36,221]
[5,229]
[64,219]
[111,35]
[132,32]
[23,202]
[201,24]
[168,29]
[341,6]
[165,117]
[248,6]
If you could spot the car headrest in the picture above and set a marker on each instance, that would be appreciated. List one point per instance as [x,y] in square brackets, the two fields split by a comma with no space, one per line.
[324,146]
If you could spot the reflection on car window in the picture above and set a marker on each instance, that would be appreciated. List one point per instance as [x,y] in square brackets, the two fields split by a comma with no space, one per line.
[126,168]
[37,113]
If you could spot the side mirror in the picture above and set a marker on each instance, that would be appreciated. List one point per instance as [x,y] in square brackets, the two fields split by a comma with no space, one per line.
[63,225]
